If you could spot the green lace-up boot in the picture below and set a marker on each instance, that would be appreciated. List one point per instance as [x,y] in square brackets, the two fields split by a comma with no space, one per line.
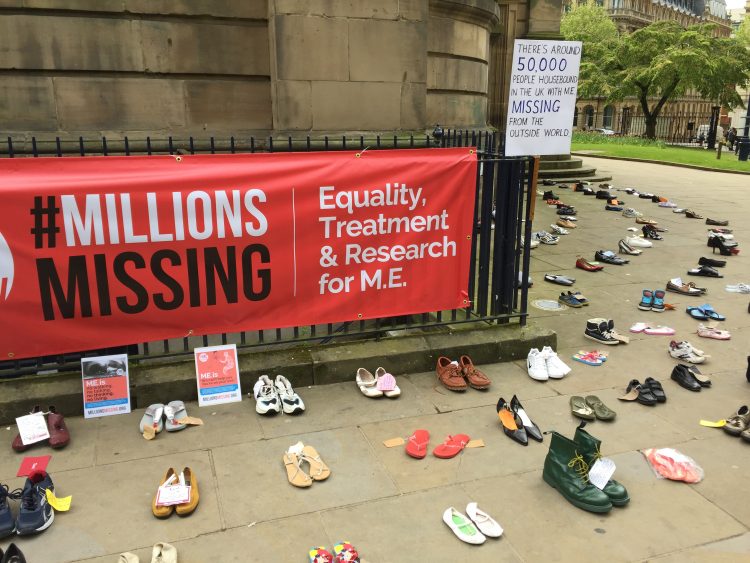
[588,446]
[567,471]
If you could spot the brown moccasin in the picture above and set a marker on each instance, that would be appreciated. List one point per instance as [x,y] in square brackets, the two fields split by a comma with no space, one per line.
[189,507]
[449,373]
[476,378]
[739,422]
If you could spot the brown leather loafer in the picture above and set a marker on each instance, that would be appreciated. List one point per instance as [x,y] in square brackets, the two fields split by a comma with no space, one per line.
[189,507]
[739,422]
[59,437]
[476,378]
[163,511]
[449,373]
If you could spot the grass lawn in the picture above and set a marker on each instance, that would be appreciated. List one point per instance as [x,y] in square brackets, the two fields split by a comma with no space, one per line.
[677,155]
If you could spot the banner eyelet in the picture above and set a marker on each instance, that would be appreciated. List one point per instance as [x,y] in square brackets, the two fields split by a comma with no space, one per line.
[11,355]
[359,315]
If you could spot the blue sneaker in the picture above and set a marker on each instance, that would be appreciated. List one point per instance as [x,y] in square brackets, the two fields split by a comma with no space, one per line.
[647,300]
[7,522]
[35,515]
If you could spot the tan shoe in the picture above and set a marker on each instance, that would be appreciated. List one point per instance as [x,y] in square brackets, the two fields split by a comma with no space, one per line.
[163,511]
[739,422]
[189,507]
[475,377]
[566,224]
[644,221]
[449,373]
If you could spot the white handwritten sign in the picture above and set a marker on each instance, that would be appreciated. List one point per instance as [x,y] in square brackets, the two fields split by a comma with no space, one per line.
[543,87]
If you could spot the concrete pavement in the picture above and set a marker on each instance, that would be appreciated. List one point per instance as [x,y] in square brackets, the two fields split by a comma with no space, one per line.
[389,505]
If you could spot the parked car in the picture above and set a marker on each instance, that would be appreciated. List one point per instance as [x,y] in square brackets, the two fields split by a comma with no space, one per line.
[605,131]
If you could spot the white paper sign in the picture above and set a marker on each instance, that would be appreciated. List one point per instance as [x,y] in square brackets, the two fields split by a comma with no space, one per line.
[217,375]
[32,428]
[601,472]
[168,495]
[106,385]
[543,87]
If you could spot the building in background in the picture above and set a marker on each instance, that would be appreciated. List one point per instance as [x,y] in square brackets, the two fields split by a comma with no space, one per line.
[736,118]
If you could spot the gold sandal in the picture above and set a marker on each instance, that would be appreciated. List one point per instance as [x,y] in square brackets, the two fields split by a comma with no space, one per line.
[294,472]
[319,471]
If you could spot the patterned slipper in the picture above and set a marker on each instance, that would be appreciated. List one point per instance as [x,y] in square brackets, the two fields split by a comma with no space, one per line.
[345,553]
[320,555]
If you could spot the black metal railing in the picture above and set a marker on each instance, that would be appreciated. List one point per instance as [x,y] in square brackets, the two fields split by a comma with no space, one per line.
[501,217]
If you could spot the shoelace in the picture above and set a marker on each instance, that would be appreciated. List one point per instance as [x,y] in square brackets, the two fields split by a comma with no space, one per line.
[30,500]
[579,465]
[267,391]
[6,493]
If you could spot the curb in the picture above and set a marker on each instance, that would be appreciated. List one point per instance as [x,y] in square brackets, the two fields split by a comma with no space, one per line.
[677,164]
[303,366]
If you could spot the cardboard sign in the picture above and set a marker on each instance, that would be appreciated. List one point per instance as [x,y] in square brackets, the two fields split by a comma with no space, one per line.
[32,428]
[217,375]
[106,385]
[543,87]
[31,464]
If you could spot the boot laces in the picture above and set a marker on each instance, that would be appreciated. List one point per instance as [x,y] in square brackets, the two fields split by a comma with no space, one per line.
[579,465]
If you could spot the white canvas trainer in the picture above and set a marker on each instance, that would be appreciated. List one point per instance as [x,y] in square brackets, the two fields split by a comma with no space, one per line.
[291,403]
[556,368]
[638,242]
[266,396]
[537,365]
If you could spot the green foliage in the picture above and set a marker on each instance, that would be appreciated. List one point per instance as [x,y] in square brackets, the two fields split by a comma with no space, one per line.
[743,32]
[593,138]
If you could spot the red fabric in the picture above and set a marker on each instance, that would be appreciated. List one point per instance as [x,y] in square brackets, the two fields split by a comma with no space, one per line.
[148,248]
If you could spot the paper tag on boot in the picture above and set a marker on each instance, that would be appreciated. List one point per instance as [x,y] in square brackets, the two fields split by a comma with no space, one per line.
[190,420]
[32,428]
[478,443]
[632,395]
[59,504]
[601,472]
[393,442]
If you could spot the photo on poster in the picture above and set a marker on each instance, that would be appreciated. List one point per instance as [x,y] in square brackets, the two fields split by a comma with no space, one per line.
[217,375]
[106,385]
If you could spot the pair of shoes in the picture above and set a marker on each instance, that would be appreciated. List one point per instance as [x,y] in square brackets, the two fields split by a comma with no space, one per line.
[419,441]
[570,300]
[706,271]
[685,352]
[678,286]
[642,221]
[584,264]
[566,211]
[705,312]
[652,301]
[690,214]
[739,423]
[559,230]
[604,194]
[545,238]
[684,377]
[647,393]
[457,376]
[549,195]
[172,478]
[603,331]
[626,248]
[59,437]
[717,222]
[711,332]
[667,204]
[13,555]
[634,241]
[566,468]
[162,552]
[343,552]
[631,213]
[474,529]
[719,231]
[609,257]
[565,223]
[545,364]
[650,232]
[159,416]
[517,425]
[652,330]
[738,288]
[593,358]
[273,397]
[725,247]
[588,191]
[611,207]
[35,514]
[560,280]
[378,385]
[590,408]
[295,456]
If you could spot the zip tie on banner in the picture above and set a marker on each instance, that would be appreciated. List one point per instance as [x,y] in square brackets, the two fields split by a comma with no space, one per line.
[359,154]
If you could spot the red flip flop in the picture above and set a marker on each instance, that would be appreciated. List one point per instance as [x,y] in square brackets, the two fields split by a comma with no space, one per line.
[416,445]
[451,447]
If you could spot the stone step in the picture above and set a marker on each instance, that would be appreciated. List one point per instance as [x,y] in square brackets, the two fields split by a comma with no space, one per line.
[560,164]
[582,172]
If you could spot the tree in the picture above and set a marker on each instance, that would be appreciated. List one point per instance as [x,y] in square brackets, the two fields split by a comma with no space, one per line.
[743,31]
[660,62]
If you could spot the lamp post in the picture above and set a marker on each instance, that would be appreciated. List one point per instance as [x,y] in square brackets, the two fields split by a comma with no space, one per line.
[743,144]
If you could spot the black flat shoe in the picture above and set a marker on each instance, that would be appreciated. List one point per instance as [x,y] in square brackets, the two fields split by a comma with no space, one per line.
[711,262]
[645,396]
[532,430]
[717,222]
[13,555]
[512,424]
[656,388]
[704,380]
[684,378]
[706,271]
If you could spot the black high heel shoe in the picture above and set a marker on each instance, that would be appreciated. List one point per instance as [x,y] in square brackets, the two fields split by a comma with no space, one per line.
[726,249]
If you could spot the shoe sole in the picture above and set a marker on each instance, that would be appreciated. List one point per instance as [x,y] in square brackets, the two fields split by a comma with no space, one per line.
[538,378]
[47,524]
[583,505]
[656,309]
[644,307]
[269,411]
[453,388]
[606,342]
[295,410]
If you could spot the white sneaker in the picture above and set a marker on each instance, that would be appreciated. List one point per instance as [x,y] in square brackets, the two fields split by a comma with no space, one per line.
[486,523]
[545,238]
[532,244]
[291,403]
[631,213]
[464,528]
[559,230]
[536,365]
[685,352]
[556,368]
[266,396]
[638,242]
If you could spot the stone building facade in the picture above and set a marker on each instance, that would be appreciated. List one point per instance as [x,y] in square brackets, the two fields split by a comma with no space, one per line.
[260,67]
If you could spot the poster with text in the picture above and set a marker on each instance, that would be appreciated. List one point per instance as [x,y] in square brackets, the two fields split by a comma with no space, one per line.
[106,385]
[541,104]
[217,374]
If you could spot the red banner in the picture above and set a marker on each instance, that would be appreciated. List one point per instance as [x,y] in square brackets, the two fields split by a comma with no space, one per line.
[104,251]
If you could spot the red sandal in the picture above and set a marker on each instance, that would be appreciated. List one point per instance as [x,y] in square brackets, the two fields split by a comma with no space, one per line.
[416,445]
[451,447]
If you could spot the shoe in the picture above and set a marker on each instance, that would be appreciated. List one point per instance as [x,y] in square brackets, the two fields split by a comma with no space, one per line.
[580,409]
[598,330]
[533,244]
[567,212]
[584,264]
[604,194]
[545,238]
[590,448]
[174,411]
[474,377]
[690,214]
[667,204]
[706,271]
[588,191]
[565,224]
[717,222]
[59,437]
[569,300]
[738,422]
[548,195]
[650,232]
[266,397]
[602,411]
[463,527]
[642,221]
[610,207]
[581,298]
[708,332]
[294,473]
[684,352]
[725,248]
[416,445]
[164,511]
[319,555]
[553,202]
[637,242]
[7,521]
[658,304]
[291,403]
[483,521]
[387,383]
[719,231]
[162,552]
[559,230]
[35,514]
[726,237]
[513,426]
[684,378]
[13,555]
[152,417]
[645,395]
[569,218]
[452,446]
[450,375]
[560,280]
[656,389]
[645,196]
[631,213]
[646,300]
[678,286]
[711,262]
[614,334]
[609,257]
[532,430]
[367,383]
[625,248]
[566,470]
[187,508]
[345,552]
[536,365]
[17,444]
[556,368]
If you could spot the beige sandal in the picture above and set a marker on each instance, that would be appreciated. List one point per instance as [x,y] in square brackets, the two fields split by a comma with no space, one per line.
[294,472]
[319,471]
